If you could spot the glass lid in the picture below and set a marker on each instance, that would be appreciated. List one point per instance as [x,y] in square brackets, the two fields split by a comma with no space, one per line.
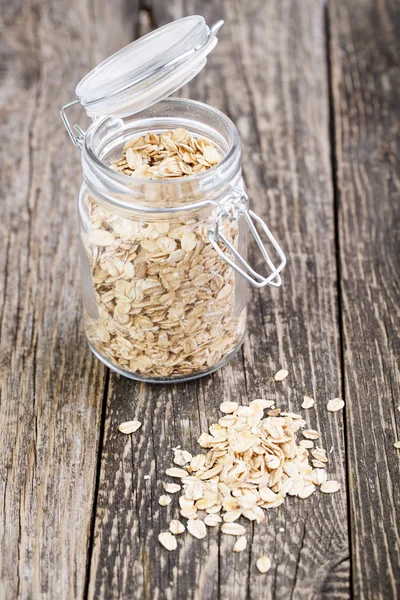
[149,69]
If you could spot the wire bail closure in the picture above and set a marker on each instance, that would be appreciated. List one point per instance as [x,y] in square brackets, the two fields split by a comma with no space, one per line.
[215,235]
[76,139]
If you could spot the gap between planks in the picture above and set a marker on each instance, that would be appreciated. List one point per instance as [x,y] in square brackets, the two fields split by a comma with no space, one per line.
[334,164]
[96,485]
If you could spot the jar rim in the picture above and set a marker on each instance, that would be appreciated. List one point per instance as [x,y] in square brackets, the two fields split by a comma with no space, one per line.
[126,184]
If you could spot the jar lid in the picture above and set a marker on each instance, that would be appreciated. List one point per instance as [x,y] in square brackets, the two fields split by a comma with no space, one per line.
[149,69]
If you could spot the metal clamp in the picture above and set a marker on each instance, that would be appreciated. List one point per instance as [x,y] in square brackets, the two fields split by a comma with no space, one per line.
[77,139]
[247,272]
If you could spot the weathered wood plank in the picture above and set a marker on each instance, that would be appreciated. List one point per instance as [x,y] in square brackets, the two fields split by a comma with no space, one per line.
[290,107]
[269,74]
[365,50]
[51,387]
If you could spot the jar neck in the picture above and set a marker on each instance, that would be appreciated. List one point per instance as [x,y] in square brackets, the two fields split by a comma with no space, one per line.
[106,137]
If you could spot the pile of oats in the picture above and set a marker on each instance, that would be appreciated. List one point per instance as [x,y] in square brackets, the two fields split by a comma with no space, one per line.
[165,304]
[254,461]
[170,154]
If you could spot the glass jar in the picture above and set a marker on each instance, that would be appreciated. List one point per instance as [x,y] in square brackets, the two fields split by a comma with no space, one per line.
[164,262]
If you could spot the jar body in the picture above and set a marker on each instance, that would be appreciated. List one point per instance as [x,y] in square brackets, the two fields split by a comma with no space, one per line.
[160,304]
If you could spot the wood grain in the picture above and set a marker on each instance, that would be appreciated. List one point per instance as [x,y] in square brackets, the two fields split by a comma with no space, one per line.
[365,50]
[269,74]
[78,518]
[51,387]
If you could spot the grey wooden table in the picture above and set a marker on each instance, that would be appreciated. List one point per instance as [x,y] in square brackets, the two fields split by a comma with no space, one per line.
[314,91]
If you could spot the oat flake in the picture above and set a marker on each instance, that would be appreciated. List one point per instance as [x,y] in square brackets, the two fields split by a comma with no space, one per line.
[171,488]
[129,426]
[281,375]
[197,528]
[233,529]
[240,544]
[228,407]
[263,564]
[308,402]
[176,527]
[311,434]
[330,487]
[168,540]
[212,520]
[164,500]
[175,472]
[335,405]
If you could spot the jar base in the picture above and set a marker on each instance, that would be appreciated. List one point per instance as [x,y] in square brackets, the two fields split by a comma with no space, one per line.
[178,379]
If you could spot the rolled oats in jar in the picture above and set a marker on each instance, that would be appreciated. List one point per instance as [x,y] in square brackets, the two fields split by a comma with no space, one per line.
[164,216]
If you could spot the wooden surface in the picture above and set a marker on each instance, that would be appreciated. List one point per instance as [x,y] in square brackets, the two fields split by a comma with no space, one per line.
[366,101]
[314,91]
